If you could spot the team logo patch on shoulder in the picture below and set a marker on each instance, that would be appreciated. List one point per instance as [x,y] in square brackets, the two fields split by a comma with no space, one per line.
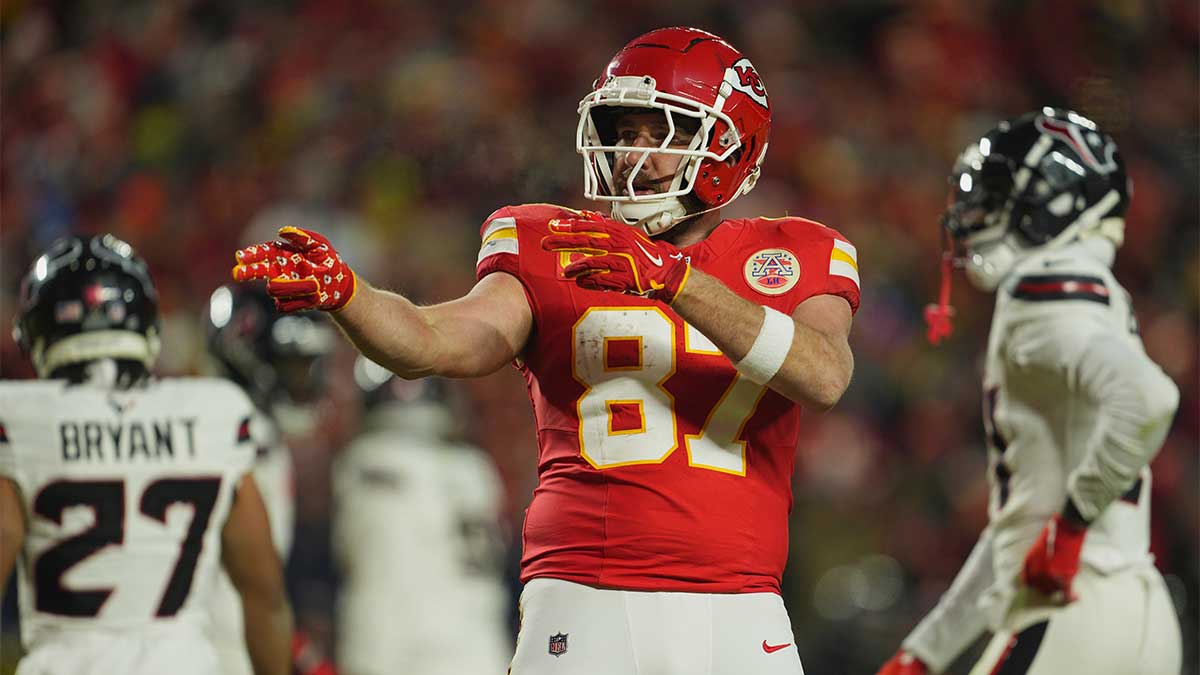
[772,271]
[558,644]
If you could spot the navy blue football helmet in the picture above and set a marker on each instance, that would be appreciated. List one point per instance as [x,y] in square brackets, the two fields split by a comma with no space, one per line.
[87,298]
[1042,172]
[277,358]
[1046,178]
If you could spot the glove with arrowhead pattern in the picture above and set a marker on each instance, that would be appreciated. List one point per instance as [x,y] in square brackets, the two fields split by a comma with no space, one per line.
[302,269]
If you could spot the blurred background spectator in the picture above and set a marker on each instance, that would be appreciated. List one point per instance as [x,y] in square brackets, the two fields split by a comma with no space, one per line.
[397,126]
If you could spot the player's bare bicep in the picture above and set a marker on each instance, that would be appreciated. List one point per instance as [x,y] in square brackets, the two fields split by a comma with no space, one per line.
[486,328]
[247,551]
[827,314]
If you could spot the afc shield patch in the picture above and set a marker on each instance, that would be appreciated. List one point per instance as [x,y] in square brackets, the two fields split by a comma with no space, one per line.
[558,644]
[772,271]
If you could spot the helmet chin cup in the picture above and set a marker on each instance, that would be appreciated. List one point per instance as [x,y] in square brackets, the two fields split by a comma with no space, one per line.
[987,264]
[652,217]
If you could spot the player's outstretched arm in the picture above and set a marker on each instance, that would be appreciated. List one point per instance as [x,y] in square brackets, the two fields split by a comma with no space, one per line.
[12,528]
[952,625]
[814,371]
[474,335]
[254,568]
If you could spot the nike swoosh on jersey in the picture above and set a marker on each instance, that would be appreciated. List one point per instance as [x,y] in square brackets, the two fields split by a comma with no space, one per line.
[771,649]
[657,260]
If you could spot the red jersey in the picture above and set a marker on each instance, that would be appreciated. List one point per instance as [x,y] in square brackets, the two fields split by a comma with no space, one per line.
[660,468]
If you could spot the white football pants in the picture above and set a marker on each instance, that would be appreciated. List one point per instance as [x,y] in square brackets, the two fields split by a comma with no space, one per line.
[571,629]
[1121,624]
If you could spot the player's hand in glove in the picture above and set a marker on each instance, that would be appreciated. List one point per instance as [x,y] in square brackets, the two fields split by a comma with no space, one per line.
[1052,563]
[302,269]
[307,658]
[618,257]
[903,663]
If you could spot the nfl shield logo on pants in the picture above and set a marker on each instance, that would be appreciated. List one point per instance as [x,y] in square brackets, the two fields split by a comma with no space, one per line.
[558,644]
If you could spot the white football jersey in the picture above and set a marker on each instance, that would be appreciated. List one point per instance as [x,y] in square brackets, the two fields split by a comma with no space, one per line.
[126,494]
[417,536]
[1060,318]
[1074,407]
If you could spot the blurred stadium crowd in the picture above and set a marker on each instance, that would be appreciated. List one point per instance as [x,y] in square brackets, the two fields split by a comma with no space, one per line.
[190,127]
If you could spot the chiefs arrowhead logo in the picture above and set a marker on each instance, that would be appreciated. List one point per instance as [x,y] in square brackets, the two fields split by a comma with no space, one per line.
[743,77]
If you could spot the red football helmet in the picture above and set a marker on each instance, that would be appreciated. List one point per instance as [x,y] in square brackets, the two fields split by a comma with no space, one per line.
[698,81]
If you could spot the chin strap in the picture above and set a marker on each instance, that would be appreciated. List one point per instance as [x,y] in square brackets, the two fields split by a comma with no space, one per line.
[937,316]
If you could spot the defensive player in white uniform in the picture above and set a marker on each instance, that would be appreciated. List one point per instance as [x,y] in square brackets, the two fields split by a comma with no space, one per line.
[121,494]
[417,536]
[1074,412]
[277,361]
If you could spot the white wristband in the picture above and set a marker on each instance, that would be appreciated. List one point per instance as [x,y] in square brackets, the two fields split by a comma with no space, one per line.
[770,348]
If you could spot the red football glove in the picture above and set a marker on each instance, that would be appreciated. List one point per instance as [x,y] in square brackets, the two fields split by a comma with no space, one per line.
[302,269]
[904,663]
[1053,562]
[307,658]
[618,257]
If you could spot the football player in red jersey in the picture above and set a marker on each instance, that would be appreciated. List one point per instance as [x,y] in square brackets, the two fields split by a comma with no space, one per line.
[668,354]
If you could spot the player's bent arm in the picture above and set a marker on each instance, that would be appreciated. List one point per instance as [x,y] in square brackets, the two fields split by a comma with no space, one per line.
[468,337]
[817,368]
[249,557]
[1137,403]
[12,528]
